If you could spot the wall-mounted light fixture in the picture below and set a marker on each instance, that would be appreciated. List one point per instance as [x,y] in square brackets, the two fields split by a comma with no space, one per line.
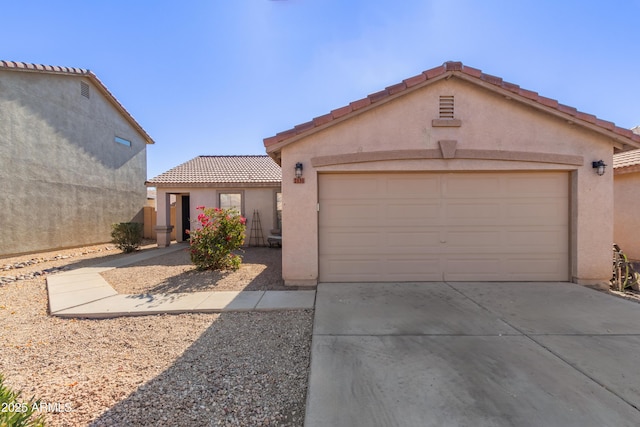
[599,167]
[298,179]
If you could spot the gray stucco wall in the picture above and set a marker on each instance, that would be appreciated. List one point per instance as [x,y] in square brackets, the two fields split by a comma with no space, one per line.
[64,178]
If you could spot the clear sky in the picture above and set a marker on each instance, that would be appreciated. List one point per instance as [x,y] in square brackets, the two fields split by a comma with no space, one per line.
[218,76]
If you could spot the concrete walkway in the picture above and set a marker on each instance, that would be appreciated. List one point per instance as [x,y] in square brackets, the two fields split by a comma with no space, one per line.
[473,354]
[84,293]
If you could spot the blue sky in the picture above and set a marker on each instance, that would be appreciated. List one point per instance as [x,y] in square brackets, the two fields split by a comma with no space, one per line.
[216,77]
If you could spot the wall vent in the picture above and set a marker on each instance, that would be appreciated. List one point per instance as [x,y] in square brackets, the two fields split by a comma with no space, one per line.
[84,89]
[446,106]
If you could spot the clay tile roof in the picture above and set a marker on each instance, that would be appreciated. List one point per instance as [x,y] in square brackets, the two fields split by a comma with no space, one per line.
[468,73]
[628,158]
[259,169]
[53,69]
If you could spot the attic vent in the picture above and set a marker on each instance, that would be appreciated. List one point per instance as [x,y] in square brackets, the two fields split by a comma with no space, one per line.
[446,106]
[84,89]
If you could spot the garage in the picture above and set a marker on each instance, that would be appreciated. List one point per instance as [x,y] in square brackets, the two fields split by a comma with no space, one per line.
[450,175]
[493,226]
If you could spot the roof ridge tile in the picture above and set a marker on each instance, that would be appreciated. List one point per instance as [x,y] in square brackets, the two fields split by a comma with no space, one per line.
[451,67]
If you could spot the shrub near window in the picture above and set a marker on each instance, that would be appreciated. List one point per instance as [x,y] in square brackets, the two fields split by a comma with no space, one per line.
[221,232]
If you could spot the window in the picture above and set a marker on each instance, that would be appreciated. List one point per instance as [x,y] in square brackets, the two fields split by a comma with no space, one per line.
[279,210]
[230,201]
[122,141]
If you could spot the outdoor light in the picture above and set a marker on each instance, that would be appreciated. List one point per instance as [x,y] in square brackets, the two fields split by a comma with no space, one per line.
[599,166]
[298,170]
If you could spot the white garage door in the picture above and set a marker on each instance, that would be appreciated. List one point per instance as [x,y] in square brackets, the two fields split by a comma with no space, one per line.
[507,226]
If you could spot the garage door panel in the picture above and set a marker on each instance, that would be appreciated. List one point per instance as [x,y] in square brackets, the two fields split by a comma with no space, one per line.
[343,211]
[418,268]
[531,265]
[468,213]
[470,187]
[423,241]
[412,213]
[480,266]
[535,185]
[458,226]
[474,238]
[543,212]
[347,242]
[333,186]
[402,187]
[534,241]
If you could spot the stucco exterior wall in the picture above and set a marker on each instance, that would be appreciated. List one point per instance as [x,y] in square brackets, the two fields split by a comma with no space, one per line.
[65,179]
[262,199]
[489,121]
[626,230]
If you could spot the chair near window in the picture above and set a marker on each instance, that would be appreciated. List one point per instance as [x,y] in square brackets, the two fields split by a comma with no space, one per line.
[275,238]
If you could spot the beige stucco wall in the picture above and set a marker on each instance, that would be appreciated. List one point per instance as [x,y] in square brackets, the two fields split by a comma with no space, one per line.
[626,230]
[262,199]
[489,121]
[65,180]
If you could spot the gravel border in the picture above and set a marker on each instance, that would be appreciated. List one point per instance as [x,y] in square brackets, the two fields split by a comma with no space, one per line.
[246,369]
[261,270]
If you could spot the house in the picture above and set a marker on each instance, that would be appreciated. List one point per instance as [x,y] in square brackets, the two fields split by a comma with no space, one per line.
[72,159]
[250,184]
[626,193]
[452,175]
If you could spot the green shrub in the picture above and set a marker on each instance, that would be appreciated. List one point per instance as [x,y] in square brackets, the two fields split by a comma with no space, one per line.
[127,236]
[15,412]
[220,232]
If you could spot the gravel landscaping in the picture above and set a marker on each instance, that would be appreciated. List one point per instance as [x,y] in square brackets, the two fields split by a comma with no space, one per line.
[261,270]
[247,369]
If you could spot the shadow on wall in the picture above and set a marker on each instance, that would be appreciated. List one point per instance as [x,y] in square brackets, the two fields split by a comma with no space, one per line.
[94,138]
[245,368]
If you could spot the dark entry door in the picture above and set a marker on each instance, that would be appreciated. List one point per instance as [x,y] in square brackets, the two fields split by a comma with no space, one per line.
[186,224]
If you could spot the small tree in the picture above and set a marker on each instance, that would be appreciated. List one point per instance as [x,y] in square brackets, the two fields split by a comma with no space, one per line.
[127,236]
[220,232]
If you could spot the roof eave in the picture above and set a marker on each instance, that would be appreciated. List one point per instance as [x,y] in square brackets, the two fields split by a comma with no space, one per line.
[269,184]
[619,141]
[339,115]
[79,72]
[107,94]
[626,169]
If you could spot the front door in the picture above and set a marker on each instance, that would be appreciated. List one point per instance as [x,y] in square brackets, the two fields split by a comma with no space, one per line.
[186,220]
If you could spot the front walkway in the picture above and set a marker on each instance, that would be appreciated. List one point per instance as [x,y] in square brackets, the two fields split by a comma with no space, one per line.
[85,293]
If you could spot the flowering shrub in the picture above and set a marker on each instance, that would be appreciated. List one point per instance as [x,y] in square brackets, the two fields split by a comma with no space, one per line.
[221,232]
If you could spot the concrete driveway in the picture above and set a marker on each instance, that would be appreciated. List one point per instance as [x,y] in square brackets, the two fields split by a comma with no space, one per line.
[473,354]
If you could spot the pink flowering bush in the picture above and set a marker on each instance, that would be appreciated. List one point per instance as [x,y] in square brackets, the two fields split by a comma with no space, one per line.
[220,232]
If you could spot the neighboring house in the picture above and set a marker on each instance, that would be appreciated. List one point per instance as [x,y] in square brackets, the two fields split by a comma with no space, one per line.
[250,184]
[72,159]
[451,175]
[626,190]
